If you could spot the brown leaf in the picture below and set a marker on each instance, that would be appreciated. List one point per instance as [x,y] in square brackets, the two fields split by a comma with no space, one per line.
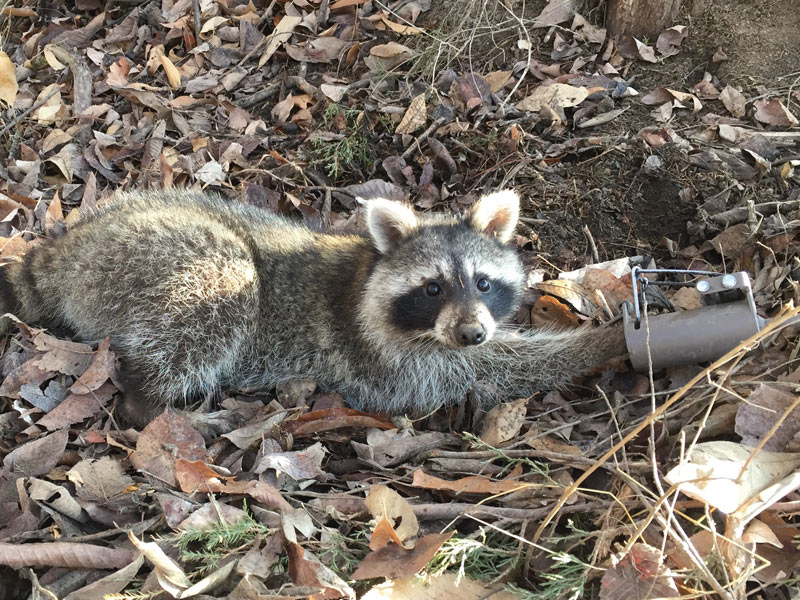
[306,569]
[731,241]
[615,290]
[8,80]
[78,407]
[548,311]
[557,95]
[669,41]
[630,47]
[333,418]
[280,35]
[756,417]
[503,422]
[772,112]
[110,584]
[101,480]
[393,561]
[64,554]
[389,50]
[172,73]
[383,534]
[37,456]
[473,484]
[166,438]
[300,465]
[415,116]
[384,502]
[547,443]
[101,369]
[196,476]
[640,575]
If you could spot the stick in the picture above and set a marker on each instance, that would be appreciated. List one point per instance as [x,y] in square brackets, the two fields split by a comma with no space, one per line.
[739,214]
[423,136]
[28,111]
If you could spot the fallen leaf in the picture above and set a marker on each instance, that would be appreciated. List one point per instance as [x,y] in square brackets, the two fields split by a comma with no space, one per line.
[503,422]
[172,73]
[8,80]
[306,569]
[389,50]
[772,112]
[669,41]
[630,47]
[497,80]
[556,11]
[384,502]
[415,116]
[557,95]
[639,575]
[166,438]
[393,561]
[715,473]
[447,586]
[333,418]
[280,35]
[473,484]
[756,417]
[549,311]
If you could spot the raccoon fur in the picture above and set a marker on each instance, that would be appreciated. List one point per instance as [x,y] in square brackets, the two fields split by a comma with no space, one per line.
[198,294]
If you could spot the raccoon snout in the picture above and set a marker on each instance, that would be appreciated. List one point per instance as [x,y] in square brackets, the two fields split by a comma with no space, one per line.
[471,334]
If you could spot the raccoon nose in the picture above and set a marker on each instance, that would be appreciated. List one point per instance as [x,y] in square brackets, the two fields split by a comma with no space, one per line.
[471,334]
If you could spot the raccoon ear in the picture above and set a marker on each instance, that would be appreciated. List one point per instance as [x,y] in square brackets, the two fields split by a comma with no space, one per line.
[496,214]
[389,223]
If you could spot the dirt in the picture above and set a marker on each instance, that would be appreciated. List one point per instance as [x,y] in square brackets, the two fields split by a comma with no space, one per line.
[627,210]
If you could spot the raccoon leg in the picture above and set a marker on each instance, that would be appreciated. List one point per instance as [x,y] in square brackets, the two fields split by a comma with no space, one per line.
[543,360]
[140,404]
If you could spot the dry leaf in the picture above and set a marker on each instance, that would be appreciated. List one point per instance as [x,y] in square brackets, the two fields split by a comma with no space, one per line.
[756,418]
[548,311]
[384,502]
[503,422]
[473,484]
[280,35]
[669,41]
[173,76]
[772,112]
[557,95]
[8,80]
[714,473]
[393,561]
[415,116]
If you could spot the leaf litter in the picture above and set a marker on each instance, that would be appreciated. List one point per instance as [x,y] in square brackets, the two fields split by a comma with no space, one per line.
[302,108]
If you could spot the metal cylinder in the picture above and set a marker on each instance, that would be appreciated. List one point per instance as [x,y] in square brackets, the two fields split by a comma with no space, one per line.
[690,336]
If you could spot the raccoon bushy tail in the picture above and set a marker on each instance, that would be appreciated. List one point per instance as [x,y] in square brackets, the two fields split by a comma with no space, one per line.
[8,299]
[527,362]
[20,288]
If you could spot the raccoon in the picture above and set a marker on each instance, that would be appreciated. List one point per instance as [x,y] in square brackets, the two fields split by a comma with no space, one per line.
[198,294]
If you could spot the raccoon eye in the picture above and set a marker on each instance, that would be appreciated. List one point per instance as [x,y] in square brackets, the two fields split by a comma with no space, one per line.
[483,285]
[433,289]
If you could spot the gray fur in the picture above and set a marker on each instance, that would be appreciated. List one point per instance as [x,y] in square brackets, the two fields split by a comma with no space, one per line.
[198,294]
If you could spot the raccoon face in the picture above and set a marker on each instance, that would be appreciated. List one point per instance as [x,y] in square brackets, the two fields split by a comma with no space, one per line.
[441,280]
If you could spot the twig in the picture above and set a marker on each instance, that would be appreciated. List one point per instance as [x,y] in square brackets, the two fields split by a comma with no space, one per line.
[416,144]
[453,510]
[267,13]
[28,111]
[267,92]
[740,213]
[592,245]
[197,24]
[786,315]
